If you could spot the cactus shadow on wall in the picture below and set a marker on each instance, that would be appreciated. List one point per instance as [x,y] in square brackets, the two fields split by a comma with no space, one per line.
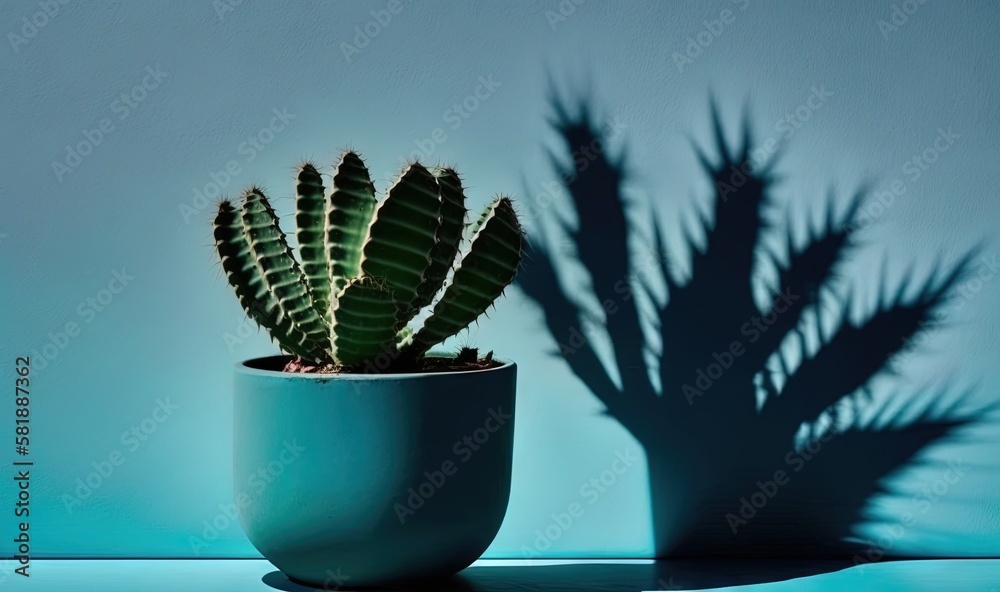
[752,449]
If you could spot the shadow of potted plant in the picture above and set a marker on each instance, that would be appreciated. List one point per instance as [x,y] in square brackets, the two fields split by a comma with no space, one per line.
[751,450]
[390,462]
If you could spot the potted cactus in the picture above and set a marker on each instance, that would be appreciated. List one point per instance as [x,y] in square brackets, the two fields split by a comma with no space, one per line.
[386,461]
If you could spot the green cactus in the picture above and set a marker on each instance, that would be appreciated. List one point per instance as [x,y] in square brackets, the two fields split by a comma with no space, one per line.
[366,271]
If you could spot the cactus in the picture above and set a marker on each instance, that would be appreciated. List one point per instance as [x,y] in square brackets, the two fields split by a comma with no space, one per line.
[365,270]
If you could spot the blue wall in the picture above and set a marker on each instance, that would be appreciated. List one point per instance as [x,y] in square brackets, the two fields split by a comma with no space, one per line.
[115,239]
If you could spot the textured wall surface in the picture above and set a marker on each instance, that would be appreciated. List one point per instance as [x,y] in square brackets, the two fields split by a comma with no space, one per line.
[123,120]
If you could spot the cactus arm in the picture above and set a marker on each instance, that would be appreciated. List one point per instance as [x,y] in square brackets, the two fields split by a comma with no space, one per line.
[279,268]
[244,276]
[449,236]
[310,223]
[485,215]
[402,235]
[348,215]
[480,278]
[363,322]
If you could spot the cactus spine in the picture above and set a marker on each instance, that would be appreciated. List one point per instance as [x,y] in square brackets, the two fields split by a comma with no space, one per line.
[365,269]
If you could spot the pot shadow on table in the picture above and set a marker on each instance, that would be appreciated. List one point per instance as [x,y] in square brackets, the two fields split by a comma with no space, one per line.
[677,574]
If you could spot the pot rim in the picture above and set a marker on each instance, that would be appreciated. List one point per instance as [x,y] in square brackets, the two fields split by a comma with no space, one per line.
[242,367]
